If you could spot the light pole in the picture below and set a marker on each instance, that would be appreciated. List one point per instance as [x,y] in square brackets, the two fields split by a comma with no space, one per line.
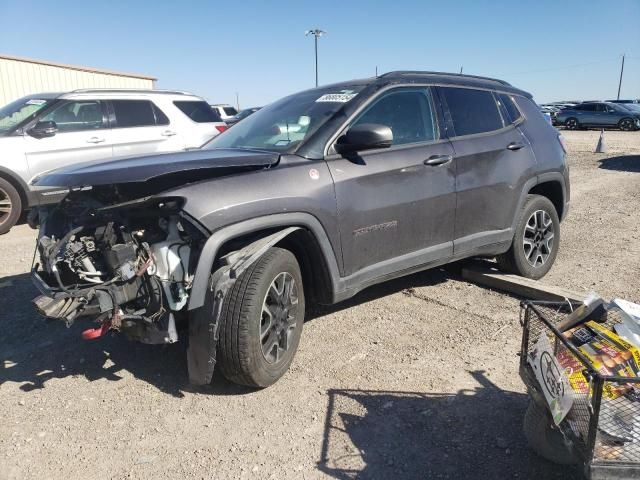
[317,33]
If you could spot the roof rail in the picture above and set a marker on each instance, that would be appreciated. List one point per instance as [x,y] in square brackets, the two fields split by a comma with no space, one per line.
[129,90]
[461,75]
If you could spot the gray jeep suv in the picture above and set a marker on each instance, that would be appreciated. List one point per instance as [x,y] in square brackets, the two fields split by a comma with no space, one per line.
[314,197]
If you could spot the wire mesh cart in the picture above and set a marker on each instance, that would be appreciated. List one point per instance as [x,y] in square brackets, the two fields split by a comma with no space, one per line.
[577,413]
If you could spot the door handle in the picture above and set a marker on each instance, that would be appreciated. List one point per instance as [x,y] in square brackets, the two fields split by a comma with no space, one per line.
[95,140]
[434,160]
[168,133]
[515,146]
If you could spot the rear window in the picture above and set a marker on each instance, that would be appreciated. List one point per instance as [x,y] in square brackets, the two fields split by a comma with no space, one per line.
[138,113]
[513,114]
[472,111]
[198,111]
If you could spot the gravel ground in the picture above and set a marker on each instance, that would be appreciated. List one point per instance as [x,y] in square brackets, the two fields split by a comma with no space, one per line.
[416,378]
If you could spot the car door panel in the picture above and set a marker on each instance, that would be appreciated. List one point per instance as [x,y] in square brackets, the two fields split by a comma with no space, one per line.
[138,130]
[489,181]
[493,159]
[82,136]
[390,203]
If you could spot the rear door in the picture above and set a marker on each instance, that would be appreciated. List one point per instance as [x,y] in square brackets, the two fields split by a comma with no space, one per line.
[493,161]
[396,211]
[141,127]
[83,135]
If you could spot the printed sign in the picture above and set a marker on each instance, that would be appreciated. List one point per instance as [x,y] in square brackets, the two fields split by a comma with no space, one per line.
[552,379]
[35,101]
[336,97]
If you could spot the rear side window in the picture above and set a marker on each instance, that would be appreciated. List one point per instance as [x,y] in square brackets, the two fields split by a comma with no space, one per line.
[230,111]
[138,113]
[407,112]
[198,111]
[472,111]
[512,112]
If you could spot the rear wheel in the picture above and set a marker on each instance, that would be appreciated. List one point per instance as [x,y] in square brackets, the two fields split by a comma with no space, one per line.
[10,206]
[572,124]
[536,240]
[627,125]
[261,320]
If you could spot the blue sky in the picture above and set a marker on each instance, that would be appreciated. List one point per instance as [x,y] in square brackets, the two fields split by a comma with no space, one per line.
[554,49]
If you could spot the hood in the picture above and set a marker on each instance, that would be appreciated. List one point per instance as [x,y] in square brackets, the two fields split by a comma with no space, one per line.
[148,167]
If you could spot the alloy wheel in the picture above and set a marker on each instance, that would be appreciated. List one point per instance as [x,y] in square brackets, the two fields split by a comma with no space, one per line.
[538,238]
[5,206]
[279,317]
[572,124]
[626,125]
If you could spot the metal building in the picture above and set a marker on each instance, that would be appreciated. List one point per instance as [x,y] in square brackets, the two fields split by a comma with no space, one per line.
[23,76]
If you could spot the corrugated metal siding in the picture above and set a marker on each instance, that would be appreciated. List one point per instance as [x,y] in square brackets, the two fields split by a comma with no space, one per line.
[18,78]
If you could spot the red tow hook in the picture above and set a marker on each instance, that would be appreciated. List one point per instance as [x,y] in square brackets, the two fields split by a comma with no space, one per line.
[93,333]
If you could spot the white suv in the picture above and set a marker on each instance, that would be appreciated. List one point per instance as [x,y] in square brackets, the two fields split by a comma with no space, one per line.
[225,111]
[47,131]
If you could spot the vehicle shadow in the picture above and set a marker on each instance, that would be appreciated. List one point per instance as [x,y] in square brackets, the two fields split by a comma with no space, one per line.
[470,434]
[622,163]
[34,351]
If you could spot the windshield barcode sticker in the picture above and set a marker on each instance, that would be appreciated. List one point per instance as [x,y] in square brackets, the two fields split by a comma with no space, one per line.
[35,101]
[336,97]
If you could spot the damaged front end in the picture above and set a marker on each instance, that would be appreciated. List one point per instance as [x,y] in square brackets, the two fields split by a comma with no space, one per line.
[128,265]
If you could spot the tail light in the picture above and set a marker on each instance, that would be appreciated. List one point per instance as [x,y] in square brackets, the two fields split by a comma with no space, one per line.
[221,128]
[563,143]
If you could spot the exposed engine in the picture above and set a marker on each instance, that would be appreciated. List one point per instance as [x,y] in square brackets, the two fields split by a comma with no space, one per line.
[129,266]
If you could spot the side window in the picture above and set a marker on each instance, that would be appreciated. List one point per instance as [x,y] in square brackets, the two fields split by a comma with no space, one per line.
[408,113]
[198,111]
[472,111]
[77,116]
[588,107]
[513,114]
[137,113]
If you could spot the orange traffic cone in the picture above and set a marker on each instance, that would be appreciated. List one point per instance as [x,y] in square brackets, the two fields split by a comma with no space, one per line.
[601,147]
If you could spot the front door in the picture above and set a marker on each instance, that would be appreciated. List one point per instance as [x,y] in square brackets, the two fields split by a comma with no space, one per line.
[396,205]
[83,135]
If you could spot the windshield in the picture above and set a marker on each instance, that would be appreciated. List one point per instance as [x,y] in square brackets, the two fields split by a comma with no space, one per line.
[281,126]
[630,107]
[20,111]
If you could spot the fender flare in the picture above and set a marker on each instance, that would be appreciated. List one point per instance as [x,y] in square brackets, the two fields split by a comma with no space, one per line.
[537,180]
[219,237]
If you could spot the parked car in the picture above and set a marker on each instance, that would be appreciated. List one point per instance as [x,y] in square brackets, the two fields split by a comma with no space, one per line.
[369,180]
[598,114]
[46,131]
[242,115]
[225,112]
[629,100]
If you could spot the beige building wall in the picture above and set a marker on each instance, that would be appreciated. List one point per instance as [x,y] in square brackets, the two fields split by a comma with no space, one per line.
[23,76]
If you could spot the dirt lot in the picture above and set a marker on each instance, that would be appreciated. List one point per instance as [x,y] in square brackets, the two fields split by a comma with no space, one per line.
[416,378]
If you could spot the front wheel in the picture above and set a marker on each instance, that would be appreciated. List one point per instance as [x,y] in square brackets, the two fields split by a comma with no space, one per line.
[10,206]
[536,240]
[261,320]
[626,125]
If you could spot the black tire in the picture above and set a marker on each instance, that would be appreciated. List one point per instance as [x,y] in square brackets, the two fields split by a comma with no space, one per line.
[10,206]
[543,439]
[572,124]
[518,259]
[241,356]
[627,125]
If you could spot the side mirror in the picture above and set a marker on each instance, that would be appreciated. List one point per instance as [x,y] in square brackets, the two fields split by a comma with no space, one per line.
[43,129]
[366,136]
